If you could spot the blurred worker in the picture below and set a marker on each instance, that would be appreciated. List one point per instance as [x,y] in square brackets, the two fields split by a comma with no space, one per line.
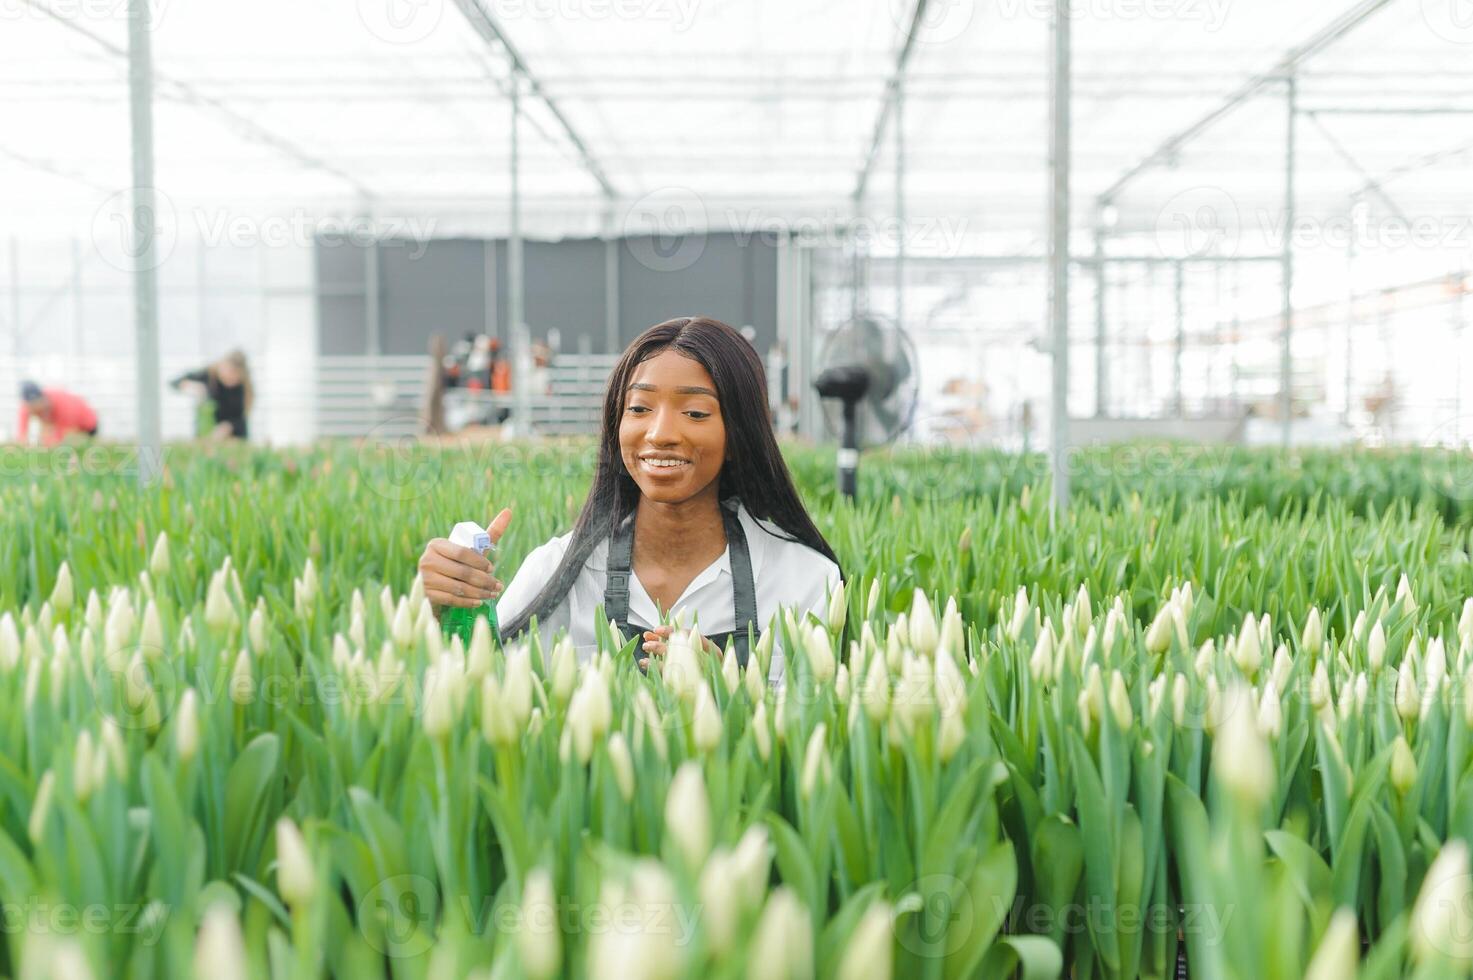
[226,385]
[61,414]
[500,370]
[434,403]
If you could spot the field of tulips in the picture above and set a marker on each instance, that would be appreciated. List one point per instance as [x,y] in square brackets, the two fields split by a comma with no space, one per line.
[1218,717]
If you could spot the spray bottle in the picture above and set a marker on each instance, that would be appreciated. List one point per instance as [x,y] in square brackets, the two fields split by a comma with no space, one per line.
[456,621]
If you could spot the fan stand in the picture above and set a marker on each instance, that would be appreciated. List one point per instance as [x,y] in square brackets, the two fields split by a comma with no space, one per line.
[849,384]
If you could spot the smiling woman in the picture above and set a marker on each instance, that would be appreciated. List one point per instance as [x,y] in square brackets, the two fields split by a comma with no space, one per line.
[692,510]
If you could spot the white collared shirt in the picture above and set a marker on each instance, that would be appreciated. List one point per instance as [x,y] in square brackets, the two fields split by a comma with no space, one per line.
[786,573]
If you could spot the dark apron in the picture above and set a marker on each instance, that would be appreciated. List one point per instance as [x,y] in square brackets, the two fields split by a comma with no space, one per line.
[743,589]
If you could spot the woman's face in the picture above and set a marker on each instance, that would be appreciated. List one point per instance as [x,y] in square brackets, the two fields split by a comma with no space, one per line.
[228,373]
[671,435]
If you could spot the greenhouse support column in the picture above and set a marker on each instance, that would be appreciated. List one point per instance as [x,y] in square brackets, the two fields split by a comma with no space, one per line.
[145,244]
[1349,323]
[79,340]
[373,341]
[899,212]
[522,378]
[1181,341]
[1286,356]
[1102,377]
[1059,160]
[611,283]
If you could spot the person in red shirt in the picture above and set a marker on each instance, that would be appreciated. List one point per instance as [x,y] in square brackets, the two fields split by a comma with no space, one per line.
[61,413]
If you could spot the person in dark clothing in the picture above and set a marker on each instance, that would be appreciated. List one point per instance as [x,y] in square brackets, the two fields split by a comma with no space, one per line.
[226,385]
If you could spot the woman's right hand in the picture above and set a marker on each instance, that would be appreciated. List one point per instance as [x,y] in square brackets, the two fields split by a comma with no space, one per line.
[458,576]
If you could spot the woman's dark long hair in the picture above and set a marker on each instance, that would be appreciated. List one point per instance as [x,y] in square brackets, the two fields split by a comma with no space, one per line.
[754,472]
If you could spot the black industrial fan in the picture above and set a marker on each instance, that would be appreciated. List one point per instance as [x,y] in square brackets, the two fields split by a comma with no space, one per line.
[867,378]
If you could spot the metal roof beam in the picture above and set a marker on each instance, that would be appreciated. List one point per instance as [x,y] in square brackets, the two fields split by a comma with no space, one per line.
[1331,33]
[486,25]
[887,106]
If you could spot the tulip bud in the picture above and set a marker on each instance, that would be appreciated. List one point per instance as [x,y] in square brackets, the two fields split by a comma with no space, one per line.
[707,722]
[219,613]
[1041,663]
[761,731]
[10,647]
[841,683]
[1434,671]
[497,725]
[158,562]
[255,626]
[401,630]
[242,685]
[1283,665]
[923,635]
[564,669]
[838,610]
[516,691]
[1465,622]
[1120,707]
[1319,687]
[1179,700]
[186,726]
[151,635]
[62,594]
[815,761]
[1249,650]
[764,650]
[1404,594]
[219,949]
[1021,611]
[951,735]
[820,654]
[539,940]
[1270,714]
[622,765]
[782,944]
[41,807]
[1376,647]
[310,587]
[1158,635]
[1403,766]
[688,815]
[870,954]
[731,675]
[296,877]
[1442,918]
[1407,701]
[1314,632]
[439,706]
[1338,954]
[1241,760]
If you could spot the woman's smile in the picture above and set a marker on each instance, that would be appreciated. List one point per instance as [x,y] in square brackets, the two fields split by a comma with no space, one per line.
[671,433]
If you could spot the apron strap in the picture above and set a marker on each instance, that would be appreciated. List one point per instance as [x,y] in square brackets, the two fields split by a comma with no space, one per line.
[743,587]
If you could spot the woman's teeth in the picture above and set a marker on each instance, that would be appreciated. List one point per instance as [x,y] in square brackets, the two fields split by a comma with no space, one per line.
[664,464]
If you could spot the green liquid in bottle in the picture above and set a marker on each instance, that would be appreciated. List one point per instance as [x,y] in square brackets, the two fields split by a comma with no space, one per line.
[456,621]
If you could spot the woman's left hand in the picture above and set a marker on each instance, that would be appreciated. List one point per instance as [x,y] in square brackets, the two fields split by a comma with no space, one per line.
[656,642]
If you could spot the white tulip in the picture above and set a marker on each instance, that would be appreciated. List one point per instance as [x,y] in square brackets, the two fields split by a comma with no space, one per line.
[439,703]
[63,594]
[761,731]
[820,653]
[296,876]
[1120,707]
[622,765]
[1338,954]
[951,735]
[158,562]
[1249,650]
[255,626]
[1270,713]
[1442,918]
[1314,632]
[1179,700]
[688,815]
[1376,647]
[719,902]
[815,761]
[242,684]
[219,613]
[872,603]
[1283,665]
[41,807]
[782,944]
[874,691]
[219,949]
[870,954]
[1158,635]
[841,683]
[751,864]
[1241,760]
[10,647]
[753,681]
[497,725]
[1403,766]
[706,725]
[401,629]
[539,940]
[1407,700]
[93,616]
[922,625]
[186,726]
[516,690]
[1404,594]
[151,635]
[838,610]
[1041,663]
[309,583]
[1021,611]
[731,674]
